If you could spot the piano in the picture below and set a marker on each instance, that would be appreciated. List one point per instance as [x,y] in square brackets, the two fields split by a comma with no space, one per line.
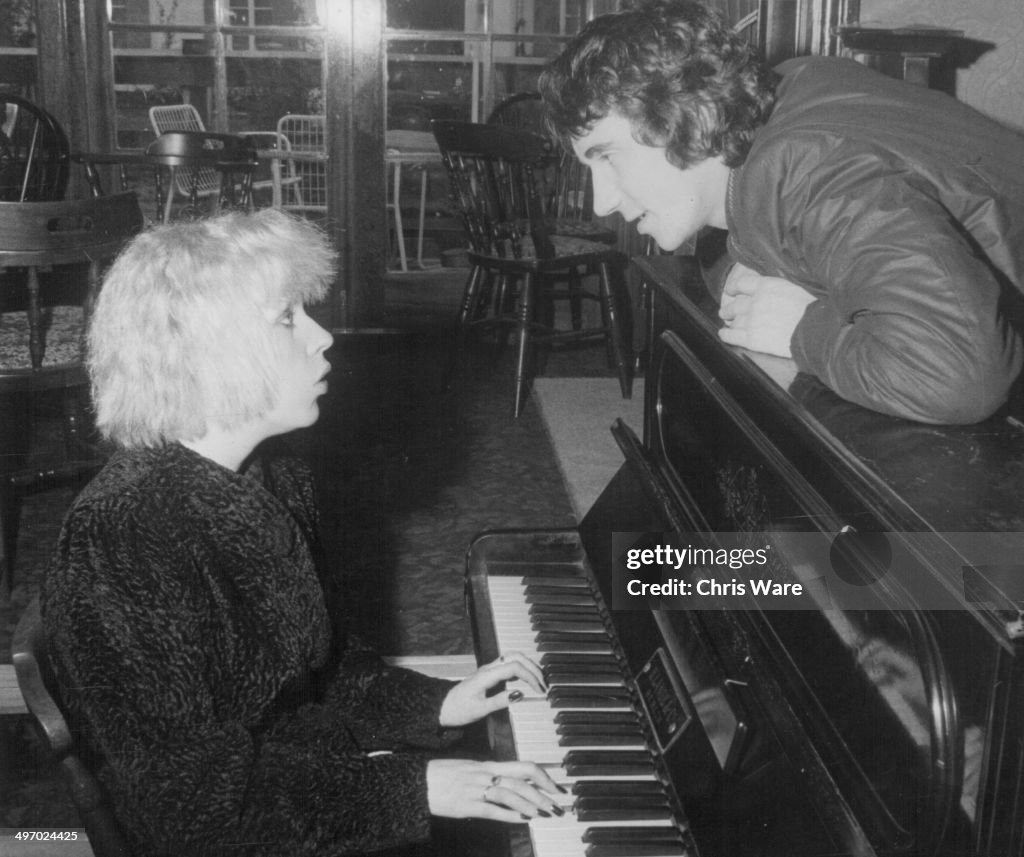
[880,713]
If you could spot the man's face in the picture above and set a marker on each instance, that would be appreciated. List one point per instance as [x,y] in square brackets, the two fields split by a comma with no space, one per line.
[670,204]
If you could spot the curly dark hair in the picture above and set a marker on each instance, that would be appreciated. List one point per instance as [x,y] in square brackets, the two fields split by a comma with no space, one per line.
[675,69]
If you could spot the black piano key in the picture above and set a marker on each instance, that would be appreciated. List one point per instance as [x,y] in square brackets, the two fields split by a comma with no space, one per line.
[636,849]
[556,578]
[606,691]
[596,669]
[591,728]
[597,644]
[557,677]
[579,609]
[645,813]
[610,788]
[571,637]
[631,833]
[593,699]
[555,613]
[572,620]
[607,763]
[562,627]
[557,589]
[554,659]
[601,739]
[623,802]
[625,716]
[566,599]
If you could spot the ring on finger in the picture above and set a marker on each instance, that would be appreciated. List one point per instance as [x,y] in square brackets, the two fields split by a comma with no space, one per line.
[494,783]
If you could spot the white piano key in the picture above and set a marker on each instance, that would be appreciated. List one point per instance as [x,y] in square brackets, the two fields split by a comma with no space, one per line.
[533,728]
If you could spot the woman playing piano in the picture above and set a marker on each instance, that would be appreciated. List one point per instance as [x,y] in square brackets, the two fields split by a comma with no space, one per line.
[187,603]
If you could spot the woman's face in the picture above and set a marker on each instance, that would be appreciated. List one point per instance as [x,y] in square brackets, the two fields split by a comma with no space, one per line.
[300,343]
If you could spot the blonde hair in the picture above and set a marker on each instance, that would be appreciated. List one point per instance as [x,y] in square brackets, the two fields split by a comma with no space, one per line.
[179,336]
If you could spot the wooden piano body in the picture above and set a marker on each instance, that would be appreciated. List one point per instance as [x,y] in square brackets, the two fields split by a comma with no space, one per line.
[889,721]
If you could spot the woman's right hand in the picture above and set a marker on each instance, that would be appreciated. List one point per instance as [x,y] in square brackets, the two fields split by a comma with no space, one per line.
[500,791]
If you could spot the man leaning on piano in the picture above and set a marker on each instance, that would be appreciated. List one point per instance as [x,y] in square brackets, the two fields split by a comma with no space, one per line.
[875,229]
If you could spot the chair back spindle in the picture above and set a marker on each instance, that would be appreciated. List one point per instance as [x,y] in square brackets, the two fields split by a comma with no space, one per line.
[492,173]
[34,153]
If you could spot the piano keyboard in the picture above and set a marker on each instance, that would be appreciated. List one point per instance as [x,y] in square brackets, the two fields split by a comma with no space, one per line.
[584,731]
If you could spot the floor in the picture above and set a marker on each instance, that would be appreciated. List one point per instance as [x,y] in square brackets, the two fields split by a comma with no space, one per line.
[409,472]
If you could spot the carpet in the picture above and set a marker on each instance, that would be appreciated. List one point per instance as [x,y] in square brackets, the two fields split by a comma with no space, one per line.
[578,414]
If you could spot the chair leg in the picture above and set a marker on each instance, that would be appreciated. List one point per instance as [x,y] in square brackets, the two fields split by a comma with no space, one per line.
[6,571]
[10,518]
[613,331]
[170,196]
[502,297]
[468,310]
[524,319]
[15,425]
[576,299]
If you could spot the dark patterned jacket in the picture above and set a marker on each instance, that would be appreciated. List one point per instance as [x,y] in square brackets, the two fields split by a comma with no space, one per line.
[194,650]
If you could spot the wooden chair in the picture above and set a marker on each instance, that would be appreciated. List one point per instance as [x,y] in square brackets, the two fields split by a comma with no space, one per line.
[567,193]
[30,654]
[191,155]
[41,337]
[492,175]
[34,153]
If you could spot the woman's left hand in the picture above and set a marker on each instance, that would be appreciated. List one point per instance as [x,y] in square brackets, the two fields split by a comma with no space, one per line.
[468,701]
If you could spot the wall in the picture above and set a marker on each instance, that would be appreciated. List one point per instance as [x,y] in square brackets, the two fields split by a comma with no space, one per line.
[994,82]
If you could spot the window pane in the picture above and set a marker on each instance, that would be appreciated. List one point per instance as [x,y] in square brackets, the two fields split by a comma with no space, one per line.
[529,17]
[17,48]
[428,14]
[261,89]
[17,24]
[271,13]
[426,85]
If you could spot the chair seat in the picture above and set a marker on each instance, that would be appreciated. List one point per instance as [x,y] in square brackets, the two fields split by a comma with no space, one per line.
[588,229]
[62,329]
[569,252]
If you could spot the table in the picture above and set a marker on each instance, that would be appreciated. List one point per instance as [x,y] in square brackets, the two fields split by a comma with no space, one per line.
[91,160]
[415,149]
[175,150]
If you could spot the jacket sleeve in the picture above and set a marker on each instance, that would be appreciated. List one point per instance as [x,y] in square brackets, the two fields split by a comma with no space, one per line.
[192,767]
[907,320]
[386,706]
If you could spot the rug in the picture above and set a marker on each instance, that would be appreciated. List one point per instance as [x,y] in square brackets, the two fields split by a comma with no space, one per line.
[578,414]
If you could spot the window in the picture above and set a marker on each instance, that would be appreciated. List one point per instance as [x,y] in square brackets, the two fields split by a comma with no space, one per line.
[18,47]
[458,58]
[264,62]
